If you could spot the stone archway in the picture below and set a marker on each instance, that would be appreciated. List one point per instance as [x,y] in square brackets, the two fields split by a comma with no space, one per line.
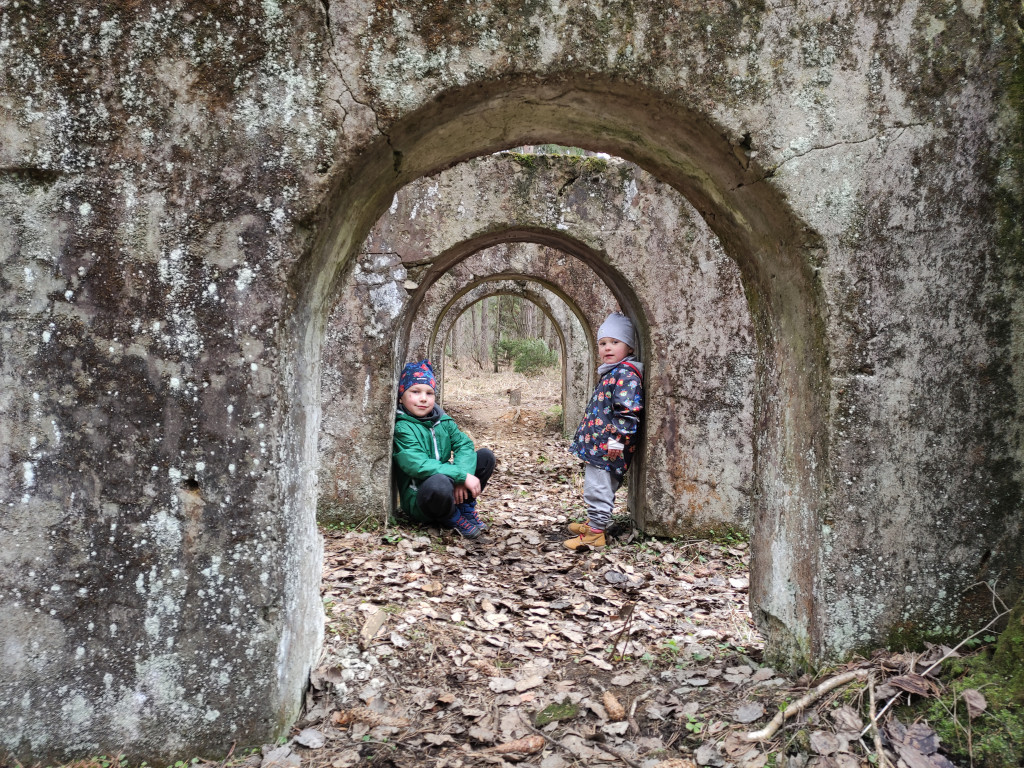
[649,244]
[756,227]
[573,337]
[177,236]
[698,342]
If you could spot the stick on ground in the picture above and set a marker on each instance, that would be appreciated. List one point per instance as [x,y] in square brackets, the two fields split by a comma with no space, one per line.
[803,703]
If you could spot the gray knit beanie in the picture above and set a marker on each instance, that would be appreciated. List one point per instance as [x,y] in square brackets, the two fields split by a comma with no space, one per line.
[618,326]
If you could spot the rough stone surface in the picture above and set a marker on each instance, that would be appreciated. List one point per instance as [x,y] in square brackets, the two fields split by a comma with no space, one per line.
[184,185]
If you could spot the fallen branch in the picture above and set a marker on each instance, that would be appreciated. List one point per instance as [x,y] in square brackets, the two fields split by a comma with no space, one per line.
[626,612]
[803,703]
[559,745]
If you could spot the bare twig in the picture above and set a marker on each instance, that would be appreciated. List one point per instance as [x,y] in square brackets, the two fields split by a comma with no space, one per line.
[991,588]
[622,757]
[559,745]
[875,733]
[802,703]
[626,612]
[229,754]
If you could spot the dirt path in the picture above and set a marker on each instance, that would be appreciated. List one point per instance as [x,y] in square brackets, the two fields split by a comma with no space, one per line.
[441,649]
[511,649]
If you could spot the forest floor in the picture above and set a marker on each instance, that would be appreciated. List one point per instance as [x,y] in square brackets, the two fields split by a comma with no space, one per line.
[511,649]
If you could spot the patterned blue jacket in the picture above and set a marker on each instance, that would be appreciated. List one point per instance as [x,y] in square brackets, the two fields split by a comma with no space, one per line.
[613,411]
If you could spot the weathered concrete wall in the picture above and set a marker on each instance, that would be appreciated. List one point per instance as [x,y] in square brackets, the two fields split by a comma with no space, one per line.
[182,186]
[160,561]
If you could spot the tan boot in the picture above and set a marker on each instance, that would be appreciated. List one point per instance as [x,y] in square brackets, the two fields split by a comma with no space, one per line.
[579,528]
[590,539]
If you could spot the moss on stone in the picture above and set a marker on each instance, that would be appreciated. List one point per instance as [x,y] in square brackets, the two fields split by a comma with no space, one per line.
[1008,657]
[552,712]
[527,161]
[995,738]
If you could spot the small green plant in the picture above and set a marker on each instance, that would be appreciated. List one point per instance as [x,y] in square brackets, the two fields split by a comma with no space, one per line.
[670,650]
[976,642]
[694,724]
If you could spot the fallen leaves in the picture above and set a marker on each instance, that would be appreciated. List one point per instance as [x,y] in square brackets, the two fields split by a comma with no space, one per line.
[917,745]
[975,702]
[447,650]
[371,627]
[914,683]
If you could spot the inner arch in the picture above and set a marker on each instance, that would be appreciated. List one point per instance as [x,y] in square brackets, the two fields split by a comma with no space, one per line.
[576,381]
[755,226]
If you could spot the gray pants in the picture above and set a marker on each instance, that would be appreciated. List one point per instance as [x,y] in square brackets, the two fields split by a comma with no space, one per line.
[599,489]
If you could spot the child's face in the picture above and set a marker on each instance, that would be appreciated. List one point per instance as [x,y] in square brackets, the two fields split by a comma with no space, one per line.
[610,351]
[418,400]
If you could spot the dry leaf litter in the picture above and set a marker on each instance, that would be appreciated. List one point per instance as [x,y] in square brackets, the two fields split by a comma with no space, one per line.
[512,650]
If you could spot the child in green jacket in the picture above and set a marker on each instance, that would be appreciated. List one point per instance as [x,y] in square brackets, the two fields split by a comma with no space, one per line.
[432,488]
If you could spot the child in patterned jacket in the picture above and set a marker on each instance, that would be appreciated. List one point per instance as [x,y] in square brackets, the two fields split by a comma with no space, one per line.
[607,437]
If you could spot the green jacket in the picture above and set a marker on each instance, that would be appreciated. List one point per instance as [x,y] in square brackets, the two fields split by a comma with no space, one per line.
[423,447]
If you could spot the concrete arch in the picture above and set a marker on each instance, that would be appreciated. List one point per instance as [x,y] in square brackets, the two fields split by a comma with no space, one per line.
[774,250]
[568,279]
[174,245]
[648,244]
[572,337]
[699,473]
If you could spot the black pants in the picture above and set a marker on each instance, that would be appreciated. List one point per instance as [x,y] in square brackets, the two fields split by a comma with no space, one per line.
[436,495]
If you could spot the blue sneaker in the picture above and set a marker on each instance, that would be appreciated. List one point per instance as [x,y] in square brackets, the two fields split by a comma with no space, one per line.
[464,524]
[468,509]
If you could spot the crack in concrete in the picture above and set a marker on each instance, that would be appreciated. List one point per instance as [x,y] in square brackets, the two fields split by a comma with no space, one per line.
[875,137]
[770,172]
[567,184]
[326,4]
[368,105]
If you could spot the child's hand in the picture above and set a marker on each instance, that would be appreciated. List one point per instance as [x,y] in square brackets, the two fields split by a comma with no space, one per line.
[472,484]
[468,489]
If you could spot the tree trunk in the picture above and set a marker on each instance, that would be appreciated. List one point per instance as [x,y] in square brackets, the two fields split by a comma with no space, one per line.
[497,333]
[485,348]
[453,339]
